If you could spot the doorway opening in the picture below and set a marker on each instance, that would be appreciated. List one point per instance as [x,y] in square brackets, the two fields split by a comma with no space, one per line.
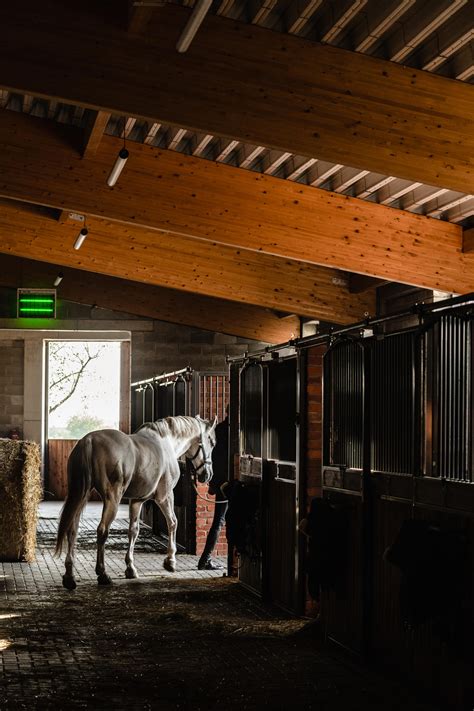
[83,394]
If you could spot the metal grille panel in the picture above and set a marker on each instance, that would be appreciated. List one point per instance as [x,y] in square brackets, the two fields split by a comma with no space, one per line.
[251,414]
[343,406]
[448,398]
[393,404]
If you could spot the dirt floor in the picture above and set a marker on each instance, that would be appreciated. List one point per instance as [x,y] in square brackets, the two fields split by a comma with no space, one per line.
[164,643]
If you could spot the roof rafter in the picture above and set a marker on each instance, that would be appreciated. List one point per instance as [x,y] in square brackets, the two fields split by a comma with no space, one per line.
[150,301]
[169,192]
[181,263]
[94,129]
[377,116]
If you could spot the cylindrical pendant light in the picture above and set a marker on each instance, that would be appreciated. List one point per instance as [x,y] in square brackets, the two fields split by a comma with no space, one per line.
[118,167]
[58,279]
[80,238]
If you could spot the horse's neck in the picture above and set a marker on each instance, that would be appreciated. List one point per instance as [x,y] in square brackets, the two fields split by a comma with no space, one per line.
[182,444]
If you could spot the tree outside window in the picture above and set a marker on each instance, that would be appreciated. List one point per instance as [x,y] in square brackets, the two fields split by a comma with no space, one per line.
[83,387]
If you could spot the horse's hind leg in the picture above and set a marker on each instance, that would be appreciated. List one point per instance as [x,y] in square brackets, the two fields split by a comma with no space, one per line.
[69,580]
[167,507]
[133,530]
[109,513]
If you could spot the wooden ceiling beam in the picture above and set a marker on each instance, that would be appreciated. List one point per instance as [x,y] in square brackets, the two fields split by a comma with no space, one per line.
[171,192]
[182,263]
[359,283]
[95,125]
[293,95]
[149,301]
[468,240]
[140,15]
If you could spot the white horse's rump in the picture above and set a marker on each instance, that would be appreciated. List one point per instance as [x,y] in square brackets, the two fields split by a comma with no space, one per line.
[138,467]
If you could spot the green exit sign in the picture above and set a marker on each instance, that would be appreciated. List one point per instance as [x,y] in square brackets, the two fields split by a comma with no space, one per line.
[36,303]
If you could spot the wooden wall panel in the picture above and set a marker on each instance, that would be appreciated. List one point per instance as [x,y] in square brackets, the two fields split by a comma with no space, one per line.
[58,454]
[292,94]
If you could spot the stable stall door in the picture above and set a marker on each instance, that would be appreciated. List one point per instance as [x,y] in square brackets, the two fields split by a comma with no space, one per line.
[280,484]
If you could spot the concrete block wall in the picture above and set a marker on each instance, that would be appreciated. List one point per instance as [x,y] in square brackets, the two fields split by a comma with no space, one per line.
[164,347]
[157,346]
[11,386]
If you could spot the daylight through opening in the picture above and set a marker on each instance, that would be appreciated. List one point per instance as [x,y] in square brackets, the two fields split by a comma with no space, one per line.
[83,387]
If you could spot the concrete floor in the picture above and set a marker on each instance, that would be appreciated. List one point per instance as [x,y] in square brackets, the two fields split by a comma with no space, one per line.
[189,640]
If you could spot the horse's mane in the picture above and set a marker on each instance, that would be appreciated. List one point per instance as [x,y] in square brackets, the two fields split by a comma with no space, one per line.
[179,426]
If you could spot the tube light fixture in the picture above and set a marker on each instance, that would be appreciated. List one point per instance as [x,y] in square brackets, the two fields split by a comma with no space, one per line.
[199,13]
[118,167]
[58,279]
[80,238]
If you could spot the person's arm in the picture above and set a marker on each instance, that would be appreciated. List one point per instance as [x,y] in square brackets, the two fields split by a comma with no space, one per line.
[303,527]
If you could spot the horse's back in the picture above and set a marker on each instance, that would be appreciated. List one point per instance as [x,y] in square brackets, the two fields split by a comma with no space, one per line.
[133,462]
[108,455]
[111,444]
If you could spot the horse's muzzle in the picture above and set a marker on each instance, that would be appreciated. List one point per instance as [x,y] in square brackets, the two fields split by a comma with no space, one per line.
[205,474]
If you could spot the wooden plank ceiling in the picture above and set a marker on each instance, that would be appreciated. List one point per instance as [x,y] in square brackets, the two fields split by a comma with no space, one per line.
[249,84]
[358,131]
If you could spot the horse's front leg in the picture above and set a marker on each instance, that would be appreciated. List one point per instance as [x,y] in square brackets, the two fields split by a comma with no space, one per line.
[133,531]
[167,507]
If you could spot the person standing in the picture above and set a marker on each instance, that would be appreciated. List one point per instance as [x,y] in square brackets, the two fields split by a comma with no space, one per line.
[220,468]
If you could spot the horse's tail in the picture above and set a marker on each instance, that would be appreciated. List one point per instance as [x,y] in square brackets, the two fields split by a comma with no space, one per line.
[79,477]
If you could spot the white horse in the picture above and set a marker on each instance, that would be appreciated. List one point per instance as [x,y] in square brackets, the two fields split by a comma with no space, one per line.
[137,467]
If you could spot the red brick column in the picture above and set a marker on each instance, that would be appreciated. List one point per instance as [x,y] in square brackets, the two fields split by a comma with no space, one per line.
[314,436]
[314,419]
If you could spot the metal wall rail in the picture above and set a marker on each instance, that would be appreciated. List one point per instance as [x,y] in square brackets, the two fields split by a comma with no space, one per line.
[162,376]
[420,309]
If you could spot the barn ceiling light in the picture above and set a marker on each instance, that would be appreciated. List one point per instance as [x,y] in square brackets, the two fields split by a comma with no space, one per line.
[199,13]
[118,167]
[58,279]
[120,161]
[80,238]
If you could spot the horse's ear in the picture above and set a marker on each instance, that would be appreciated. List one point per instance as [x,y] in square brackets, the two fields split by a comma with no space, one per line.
[214,424]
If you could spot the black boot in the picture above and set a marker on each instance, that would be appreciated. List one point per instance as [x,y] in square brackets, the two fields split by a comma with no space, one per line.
[209,564]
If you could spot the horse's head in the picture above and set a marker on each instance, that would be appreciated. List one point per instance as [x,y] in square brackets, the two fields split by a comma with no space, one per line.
[201,459]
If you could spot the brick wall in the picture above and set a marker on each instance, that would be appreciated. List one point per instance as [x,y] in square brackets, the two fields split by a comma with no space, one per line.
[11,386]
[314,418]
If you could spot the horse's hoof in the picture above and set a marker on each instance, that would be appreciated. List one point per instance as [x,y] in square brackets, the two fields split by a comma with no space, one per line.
[130,573]
[69,582]
[169,565]
[104,579]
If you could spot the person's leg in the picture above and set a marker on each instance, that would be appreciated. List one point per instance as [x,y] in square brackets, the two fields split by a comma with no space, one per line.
[212,537]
